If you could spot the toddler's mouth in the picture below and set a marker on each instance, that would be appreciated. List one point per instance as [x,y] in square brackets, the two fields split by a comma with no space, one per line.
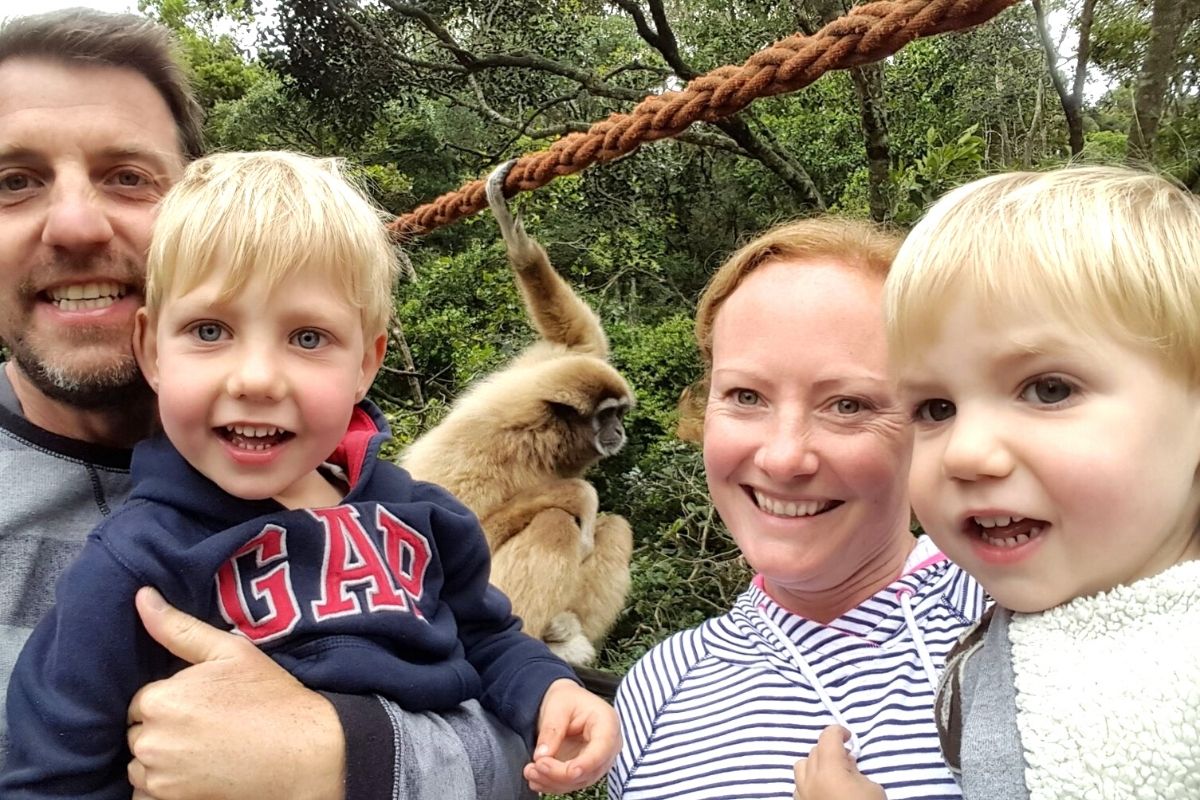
[1005,531]
[254,437]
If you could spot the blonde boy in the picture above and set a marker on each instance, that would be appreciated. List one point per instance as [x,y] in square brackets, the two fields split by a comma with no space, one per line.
[265,509]
[1045,329]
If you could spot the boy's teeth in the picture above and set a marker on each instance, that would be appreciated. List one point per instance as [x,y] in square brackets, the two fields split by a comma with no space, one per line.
[995,522]
[254,431]
[803,508]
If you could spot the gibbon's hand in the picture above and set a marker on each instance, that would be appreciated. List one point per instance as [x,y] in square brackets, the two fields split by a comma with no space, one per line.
[578,740]
[829,772]
[235,726]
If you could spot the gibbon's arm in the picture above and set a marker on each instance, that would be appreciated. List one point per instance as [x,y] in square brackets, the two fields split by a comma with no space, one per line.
[575,496]
[557,312]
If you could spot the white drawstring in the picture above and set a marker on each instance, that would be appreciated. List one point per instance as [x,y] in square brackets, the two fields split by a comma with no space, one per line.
[811,676]
[905,597]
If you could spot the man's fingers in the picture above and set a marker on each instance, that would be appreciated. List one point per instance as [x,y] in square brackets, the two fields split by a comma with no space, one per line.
[185,636]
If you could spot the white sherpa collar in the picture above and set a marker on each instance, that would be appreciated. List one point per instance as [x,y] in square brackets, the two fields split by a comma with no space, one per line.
[1108,692]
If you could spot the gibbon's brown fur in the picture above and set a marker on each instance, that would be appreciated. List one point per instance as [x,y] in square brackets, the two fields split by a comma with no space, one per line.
[514,447]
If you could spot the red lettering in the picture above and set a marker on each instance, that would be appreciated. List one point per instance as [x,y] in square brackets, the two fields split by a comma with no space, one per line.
[273,588]
[351,560]
[403,544]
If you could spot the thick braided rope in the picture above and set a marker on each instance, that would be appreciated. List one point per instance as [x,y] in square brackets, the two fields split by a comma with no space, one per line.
[866,34]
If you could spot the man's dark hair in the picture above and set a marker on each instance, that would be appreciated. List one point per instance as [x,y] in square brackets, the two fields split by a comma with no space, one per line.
[86,36]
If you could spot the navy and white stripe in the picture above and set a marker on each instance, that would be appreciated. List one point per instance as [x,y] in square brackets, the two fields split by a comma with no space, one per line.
[723,710]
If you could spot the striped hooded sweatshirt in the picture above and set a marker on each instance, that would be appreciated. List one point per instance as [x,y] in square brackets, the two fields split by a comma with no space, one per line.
[724,710]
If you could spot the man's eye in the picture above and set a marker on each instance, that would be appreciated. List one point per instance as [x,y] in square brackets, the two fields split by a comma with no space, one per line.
[1047,391]
[15,182]
[129,179]
[934,411]
[308,339]
[208,332]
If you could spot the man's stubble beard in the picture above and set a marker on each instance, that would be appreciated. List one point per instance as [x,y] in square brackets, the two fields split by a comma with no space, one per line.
[112,386]
[118,382]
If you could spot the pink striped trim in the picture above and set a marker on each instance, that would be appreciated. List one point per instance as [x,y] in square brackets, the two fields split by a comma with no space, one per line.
[936,558]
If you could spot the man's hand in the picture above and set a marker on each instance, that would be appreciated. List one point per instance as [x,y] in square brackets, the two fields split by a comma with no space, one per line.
[234,726]
[578,740]
[829,772]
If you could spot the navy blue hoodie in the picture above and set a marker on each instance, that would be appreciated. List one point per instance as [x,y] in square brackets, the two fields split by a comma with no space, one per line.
[385,594]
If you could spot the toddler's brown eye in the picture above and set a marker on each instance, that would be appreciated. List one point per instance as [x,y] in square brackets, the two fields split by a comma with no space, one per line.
[935,411]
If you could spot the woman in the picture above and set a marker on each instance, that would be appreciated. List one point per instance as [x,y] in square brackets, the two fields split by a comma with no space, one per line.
[849,617]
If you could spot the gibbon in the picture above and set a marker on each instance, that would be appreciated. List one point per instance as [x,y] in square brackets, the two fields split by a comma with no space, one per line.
[514,447]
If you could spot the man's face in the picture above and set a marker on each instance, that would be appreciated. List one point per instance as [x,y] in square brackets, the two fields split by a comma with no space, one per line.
[86,153]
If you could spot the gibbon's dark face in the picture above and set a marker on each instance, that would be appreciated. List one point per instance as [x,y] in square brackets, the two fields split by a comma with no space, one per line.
[596,435]
[608,426]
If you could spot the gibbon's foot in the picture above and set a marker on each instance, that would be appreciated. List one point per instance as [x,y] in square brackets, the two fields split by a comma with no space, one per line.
[564,636]
[576,651]
[494,190]
[562,627]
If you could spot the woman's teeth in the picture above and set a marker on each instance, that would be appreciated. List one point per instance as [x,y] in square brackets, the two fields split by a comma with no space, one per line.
[789,508]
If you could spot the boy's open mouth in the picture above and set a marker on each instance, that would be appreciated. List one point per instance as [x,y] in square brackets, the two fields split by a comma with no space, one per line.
[253,437]
[1005,531]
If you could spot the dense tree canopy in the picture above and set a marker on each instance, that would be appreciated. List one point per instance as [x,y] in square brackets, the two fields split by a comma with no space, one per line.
[425,95]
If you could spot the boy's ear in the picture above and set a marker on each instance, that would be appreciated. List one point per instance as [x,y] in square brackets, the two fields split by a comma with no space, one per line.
[145,347]
[372,361]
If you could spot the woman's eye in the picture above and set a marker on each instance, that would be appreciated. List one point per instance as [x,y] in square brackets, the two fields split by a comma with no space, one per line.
[1047,391]
[934,411]
[308,339]
[746,397]
[848,406]
[208,332]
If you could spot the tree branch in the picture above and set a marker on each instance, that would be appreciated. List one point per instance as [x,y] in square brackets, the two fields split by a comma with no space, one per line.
[1070,103]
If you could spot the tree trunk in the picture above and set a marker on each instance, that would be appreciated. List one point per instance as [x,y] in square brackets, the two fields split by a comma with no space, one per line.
[1072,101]
[406,360]
[1166,25]
[1035,125]
[868,85]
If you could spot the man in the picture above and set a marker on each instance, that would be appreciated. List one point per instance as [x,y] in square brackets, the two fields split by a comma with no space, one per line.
[96,122]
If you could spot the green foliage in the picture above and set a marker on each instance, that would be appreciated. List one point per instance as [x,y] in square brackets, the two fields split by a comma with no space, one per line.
[943,165]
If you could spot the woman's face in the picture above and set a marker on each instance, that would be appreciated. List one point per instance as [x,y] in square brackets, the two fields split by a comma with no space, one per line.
[805,445]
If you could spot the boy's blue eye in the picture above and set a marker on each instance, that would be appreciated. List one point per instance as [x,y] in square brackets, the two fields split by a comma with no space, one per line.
[208,332]
[935,411]
[308,339]
[1047,391]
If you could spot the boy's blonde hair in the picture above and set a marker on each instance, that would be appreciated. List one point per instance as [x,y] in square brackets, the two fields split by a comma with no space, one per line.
[275,215]
[1104,248]
[860,245]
